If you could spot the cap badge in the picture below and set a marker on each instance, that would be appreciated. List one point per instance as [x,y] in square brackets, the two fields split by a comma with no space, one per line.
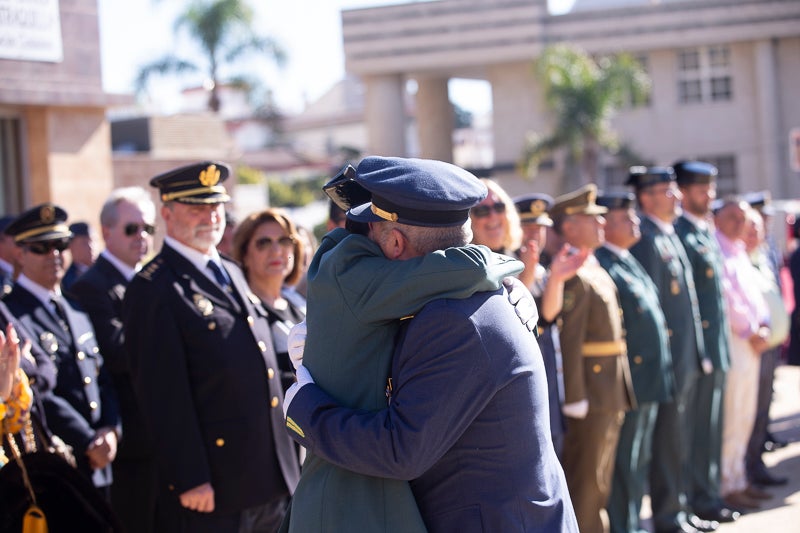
[538,207]
[47,214]
[210,176]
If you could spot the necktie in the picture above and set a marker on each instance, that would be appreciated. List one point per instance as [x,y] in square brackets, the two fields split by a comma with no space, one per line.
[220,275]
[60,314]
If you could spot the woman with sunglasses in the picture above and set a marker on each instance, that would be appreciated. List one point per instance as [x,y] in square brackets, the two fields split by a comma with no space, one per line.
[271,252]
[495,222]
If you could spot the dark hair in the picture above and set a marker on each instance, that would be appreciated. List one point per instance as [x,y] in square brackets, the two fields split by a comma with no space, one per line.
[359,228]
[335,213]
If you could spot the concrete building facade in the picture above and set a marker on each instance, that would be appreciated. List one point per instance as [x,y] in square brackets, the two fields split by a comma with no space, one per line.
[725,75]
[54,137]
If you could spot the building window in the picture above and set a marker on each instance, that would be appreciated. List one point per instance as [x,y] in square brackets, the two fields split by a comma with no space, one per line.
[704,75]
[727,181]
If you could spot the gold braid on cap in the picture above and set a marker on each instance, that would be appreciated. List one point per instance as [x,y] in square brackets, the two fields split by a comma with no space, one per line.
[386,215]
[166,197]
[40,230]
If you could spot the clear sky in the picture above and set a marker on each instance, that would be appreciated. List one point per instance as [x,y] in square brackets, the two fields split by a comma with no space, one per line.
[134,32]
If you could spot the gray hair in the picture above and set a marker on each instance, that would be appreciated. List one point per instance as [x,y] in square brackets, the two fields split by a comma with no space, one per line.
[109,214]
[429,239]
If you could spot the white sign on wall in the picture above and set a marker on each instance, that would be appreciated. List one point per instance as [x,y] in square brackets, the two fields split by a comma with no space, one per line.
[30,30]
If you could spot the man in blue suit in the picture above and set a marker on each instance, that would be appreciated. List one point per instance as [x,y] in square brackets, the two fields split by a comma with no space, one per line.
[204,370]
[126,221]
[467,417]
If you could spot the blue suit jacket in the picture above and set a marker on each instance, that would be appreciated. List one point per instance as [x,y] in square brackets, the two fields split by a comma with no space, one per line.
[207,382]
[467,422]
[355,300]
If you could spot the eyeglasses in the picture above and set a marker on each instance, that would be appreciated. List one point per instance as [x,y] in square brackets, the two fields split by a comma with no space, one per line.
[266,242]
[46,247]
[483,211]
[135,229]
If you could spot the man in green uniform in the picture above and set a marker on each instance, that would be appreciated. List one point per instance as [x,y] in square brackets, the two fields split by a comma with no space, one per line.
[648,357]
[662,255]
[697,183]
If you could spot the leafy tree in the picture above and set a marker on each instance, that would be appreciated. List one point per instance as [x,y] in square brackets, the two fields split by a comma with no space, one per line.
[223,30]
[583,93]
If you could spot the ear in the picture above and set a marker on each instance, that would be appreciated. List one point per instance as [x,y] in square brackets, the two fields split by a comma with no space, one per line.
[396,245]
[165,212]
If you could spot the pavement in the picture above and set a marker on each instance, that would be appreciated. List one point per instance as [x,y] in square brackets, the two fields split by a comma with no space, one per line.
[782,512]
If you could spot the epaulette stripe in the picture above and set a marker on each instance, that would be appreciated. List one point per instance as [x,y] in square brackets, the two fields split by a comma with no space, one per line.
[291,424]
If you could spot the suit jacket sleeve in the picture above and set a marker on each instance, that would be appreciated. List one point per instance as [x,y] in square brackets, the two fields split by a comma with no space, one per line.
[445,383]
[574,319]
[63,420]
[377,289]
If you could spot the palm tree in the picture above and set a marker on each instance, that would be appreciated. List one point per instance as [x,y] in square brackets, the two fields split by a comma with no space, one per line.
[583,93]
[223,30]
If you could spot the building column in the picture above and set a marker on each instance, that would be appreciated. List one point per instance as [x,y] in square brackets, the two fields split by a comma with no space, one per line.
[435,119]
[385,115]
[772,153]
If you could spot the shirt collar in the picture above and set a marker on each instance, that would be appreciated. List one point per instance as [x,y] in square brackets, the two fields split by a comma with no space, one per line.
[616,250]
[700,223]
[665,227]
[198,259]
[41,294]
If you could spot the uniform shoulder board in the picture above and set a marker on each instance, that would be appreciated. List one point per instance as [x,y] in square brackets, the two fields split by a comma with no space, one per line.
[568,302]
[150,269]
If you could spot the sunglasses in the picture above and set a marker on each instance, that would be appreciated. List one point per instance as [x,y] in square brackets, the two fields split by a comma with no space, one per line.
[46,247]
[266,242]
[135,229]
[483,211]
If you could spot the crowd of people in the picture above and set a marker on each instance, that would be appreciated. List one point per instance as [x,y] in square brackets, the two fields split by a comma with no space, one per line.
[447,357]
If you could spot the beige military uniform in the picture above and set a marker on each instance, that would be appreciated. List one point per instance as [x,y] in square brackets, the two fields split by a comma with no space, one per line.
[596,370]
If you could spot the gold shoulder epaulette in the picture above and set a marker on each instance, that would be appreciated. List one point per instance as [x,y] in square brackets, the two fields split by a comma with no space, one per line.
[150,269]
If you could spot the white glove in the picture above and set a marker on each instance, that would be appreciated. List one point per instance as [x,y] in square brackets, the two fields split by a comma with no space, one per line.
[577,409]
[303,378]
[522,300]
[297,343]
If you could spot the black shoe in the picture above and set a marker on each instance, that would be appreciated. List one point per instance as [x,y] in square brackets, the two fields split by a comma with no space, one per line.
[721,514]
[701,524]
[765,479]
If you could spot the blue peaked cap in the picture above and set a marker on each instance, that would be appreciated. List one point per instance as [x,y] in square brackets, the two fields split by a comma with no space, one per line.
[417,192]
